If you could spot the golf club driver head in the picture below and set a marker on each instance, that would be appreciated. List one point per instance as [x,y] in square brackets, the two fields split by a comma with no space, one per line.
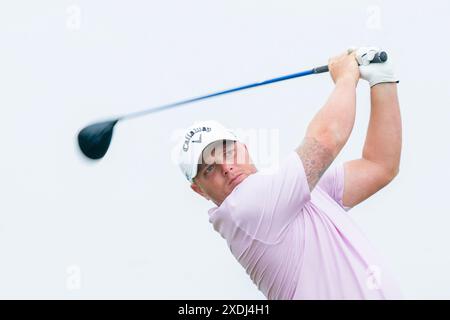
[94,140]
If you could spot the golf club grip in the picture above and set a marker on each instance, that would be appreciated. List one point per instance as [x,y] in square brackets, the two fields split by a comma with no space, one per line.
[379,58]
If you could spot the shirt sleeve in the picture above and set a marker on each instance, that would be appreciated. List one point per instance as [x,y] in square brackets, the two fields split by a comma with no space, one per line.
[332,182]
[270,202]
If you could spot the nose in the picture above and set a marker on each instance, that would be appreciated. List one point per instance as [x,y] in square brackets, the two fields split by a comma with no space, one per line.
[227,167]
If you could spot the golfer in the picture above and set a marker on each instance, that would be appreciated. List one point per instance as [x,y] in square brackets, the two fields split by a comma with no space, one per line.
[290,229]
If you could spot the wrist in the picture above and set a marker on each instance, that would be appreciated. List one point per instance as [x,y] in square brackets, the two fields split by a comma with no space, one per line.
[347,80]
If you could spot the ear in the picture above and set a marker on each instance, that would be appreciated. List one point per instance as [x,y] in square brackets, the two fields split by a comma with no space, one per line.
[199,190]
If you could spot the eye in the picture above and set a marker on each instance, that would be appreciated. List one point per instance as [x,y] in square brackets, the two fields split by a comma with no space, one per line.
[209,168]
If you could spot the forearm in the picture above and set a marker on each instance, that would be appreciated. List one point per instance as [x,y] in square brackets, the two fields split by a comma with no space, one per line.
[337,117]
[384,136]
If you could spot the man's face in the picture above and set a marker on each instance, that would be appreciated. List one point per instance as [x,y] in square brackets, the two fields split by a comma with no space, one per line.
[223,166]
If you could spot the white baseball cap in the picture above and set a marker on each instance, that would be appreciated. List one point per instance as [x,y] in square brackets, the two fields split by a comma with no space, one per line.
[195,139]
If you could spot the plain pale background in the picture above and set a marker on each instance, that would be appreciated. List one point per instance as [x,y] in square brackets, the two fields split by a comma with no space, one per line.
[129,226]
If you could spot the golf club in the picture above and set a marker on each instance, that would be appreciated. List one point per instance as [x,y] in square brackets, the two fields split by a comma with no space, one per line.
[94,140]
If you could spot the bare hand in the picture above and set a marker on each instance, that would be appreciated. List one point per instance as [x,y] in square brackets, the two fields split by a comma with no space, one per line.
[344,66]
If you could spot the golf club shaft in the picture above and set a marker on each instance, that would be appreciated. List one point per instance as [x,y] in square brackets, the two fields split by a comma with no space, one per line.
[379,57]
[248,86]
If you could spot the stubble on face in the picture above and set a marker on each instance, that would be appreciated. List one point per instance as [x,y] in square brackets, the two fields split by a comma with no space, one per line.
[216,185]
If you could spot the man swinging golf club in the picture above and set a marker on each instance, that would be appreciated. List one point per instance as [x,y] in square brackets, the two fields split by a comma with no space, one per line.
[290,229]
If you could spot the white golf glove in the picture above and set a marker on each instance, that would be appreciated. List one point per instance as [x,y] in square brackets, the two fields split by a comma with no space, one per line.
[374,73]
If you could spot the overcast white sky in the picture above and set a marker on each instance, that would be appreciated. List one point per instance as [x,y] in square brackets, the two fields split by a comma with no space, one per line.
[129,226]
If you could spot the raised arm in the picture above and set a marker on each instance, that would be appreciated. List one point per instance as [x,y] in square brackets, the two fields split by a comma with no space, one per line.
[384,136]
[330,128]
[380,160]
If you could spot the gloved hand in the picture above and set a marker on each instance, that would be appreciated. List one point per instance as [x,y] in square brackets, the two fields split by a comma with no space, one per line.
[374,73]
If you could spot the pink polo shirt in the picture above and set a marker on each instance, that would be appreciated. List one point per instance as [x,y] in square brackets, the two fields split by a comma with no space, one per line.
[297,244]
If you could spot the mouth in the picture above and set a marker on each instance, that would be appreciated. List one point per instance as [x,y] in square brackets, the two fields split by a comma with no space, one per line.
[236,179]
